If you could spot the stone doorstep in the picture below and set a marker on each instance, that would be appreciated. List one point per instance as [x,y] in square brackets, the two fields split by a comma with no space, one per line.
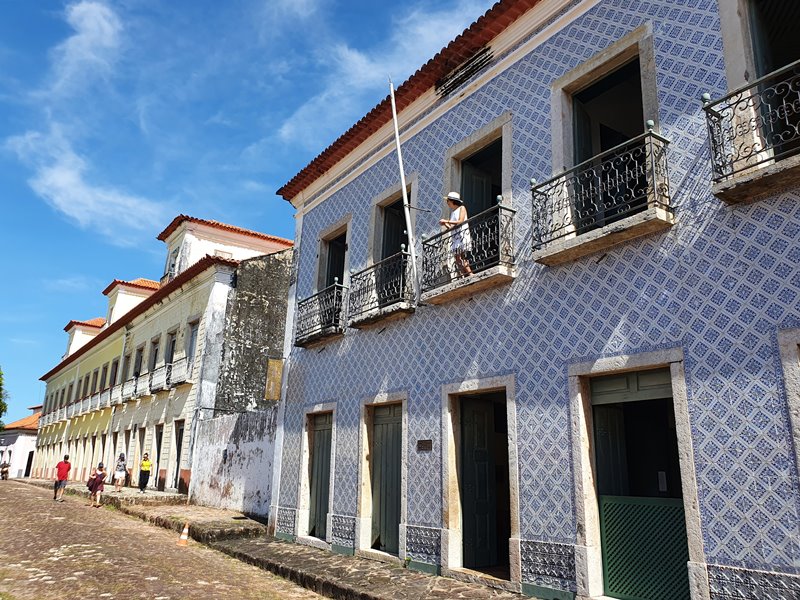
[349,577]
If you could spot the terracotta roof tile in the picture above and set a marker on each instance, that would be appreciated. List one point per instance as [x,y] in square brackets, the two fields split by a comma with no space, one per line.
[477,35]
[223,226]
[97,322]
[31,422]
[140,283]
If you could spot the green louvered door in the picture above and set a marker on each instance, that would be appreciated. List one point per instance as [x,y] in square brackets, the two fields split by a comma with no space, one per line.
[642,524]
[321,428]
[387,428]
[478,492]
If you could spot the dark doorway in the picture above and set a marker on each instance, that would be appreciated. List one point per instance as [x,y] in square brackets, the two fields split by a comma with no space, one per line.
[773,26]
[334,269]
[321,428]
[484,483]
[162,480]
[178,447]
[29,464]
[607,114]
[481,178]
[394,229]
[386,461]
[642,523]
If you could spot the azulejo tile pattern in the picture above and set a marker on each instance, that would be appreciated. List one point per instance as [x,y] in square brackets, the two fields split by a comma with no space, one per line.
[423,544]
[286,520]
[741,584]
[548,565]
[343,531]
[717,285]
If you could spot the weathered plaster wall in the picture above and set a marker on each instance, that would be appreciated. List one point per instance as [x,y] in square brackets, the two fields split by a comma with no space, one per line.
[233,461]
[254,332]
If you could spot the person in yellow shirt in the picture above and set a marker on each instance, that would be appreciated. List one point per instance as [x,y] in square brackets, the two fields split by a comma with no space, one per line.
[144,472]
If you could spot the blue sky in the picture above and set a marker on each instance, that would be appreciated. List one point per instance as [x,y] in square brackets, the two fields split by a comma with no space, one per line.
[117,116]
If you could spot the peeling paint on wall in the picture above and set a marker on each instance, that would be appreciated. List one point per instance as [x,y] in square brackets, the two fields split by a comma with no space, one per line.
[233,461]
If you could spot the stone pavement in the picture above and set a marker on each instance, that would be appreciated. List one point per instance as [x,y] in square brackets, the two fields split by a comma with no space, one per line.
[328,574]
[51,550]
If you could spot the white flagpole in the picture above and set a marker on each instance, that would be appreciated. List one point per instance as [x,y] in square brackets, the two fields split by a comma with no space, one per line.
[412,248]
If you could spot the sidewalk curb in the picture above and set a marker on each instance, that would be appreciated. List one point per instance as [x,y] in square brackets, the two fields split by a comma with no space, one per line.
[318,583]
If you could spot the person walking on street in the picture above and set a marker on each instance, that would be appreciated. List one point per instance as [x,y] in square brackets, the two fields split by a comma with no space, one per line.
[144,473]
[95,485]
[62,474]
[120,472]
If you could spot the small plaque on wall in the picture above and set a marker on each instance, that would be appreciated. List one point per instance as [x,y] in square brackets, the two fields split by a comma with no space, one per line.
[424,445]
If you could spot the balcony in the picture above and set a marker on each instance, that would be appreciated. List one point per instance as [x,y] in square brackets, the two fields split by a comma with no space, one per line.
[94,402]
[116,395]
[128,389]
[158,381]
[142,385]
[476,255]
[619,195]
[754,133]
[320,316]
[105,398]
[72,410]
[62,414]
[179,372]
[382,291]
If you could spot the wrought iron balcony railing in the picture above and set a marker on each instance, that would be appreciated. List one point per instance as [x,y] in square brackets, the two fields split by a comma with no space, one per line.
[479,243]
[178,372]
[618,183]
[756,124]
[159,379]
[381,285]
[321,315]
[129,388]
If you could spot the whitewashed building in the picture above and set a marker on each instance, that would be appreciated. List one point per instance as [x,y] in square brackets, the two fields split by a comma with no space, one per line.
[139,379]
[18,444]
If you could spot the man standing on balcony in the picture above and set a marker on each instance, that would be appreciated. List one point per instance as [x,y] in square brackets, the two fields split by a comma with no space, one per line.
[62,473]
[144,472]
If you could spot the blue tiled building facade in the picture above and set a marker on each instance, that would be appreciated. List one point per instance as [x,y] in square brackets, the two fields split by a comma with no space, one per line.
[708,297]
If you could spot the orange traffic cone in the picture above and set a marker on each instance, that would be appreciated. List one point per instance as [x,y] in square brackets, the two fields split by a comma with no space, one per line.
[184,539]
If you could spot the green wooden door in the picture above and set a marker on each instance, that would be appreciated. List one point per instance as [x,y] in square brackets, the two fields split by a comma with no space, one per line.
[387,428]
[478,494]
[642,524]
[321,428]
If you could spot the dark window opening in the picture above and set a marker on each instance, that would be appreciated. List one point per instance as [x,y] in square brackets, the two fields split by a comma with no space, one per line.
[774,25]
[481,178]
[607,114]
[334,269]
[394,229]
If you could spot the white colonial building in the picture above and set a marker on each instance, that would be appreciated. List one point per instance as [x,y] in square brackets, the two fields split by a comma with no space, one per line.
[138,380]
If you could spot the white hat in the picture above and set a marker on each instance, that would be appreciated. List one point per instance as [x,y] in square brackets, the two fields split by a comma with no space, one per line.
[454,197]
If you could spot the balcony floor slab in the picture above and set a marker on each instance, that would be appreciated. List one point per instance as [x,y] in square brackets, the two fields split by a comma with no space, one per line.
[759,182]
[467,286]
[652,220]
[380,316]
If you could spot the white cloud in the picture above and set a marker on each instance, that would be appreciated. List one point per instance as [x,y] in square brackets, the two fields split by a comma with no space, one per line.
[90,52]
[356,77]
[60,178]
[72,284]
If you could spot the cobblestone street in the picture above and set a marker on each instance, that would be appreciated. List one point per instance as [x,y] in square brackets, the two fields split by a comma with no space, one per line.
[56,550]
